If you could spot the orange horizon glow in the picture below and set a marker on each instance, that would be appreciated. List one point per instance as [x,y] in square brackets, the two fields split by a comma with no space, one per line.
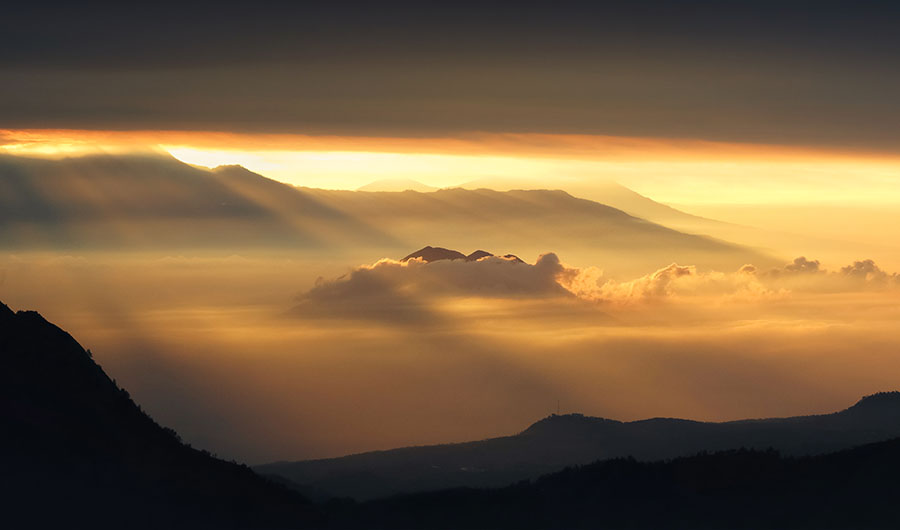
[44,141]
[685,171]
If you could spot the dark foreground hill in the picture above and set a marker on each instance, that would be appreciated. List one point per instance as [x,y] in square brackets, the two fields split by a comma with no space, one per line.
[76,452]
[855,488]
[559,441]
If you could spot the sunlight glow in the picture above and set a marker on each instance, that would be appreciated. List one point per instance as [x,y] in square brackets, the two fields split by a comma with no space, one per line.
[680,180]
[668,170]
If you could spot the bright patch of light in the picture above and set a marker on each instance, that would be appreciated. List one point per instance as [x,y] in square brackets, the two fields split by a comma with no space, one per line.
[679,180]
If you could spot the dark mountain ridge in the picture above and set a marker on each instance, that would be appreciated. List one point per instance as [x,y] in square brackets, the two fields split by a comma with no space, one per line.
[429,254]
[573,439]
[78,453]
[851,489]
[76,450]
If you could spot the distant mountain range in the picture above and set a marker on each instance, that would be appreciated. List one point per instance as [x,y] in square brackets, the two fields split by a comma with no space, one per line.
[604,191]
[394,185]
[531,222]
[155,201]
[559,441]
[613,194]
[77,452]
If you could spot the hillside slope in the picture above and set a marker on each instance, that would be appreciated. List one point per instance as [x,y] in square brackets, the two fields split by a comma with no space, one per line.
[852,489]
[154,201]
[573,439]
[78,452]
[612,194]
[529,222]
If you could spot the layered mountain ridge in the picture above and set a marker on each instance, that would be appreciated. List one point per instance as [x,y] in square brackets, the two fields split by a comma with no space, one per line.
[155,201]
[78,452]
[558,441]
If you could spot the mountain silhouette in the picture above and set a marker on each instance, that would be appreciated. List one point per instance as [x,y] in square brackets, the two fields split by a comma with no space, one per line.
[78,452]
[533,221]
[429,254]
[611,193]
[851,489]
[394,185]
[155,201]
[572,439]
[434,254]
[478,254]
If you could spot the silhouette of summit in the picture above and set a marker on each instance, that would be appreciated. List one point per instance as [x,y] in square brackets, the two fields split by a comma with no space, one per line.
[568,424]
[396,185]
[78,452]
[478,254]
[564,440]
[878,401]
[429,254]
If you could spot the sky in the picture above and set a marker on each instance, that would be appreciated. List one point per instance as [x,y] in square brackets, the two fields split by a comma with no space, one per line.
[809,73]
[265,358]
[689,103]
[693,172]
[193,288]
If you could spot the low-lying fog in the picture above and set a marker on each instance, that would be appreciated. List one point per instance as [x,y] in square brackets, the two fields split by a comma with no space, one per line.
[263,357]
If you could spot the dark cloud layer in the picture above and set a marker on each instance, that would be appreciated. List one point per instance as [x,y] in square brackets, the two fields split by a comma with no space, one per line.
[775,72]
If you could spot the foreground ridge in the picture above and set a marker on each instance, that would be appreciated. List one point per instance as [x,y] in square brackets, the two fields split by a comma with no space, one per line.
[72,439]
[80,453]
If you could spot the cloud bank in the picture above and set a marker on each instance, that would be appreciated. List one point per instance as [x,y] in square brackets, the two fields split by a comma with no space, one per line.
[413,291]
[405,291]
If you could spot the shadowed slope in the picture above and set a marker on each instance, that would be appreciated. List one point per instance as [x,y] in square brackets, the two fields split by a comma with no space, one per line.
[851,489]
[532,221]
[612,194]
[153,200]
[559,441]
[76,450]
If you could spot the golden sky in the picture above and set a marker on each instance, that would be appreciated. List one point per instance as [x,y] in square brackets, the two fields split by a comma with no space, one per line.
[668,170]
[264,329]
[471,341]
[256,358]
